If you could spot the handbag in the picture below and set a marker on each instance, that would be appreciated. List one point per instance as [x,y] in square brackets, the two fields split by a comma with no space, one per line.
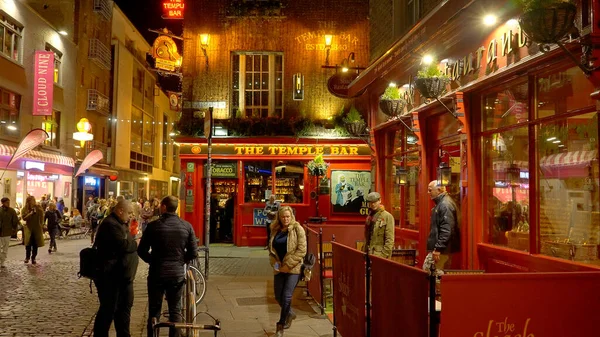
[307,265]
[88,262]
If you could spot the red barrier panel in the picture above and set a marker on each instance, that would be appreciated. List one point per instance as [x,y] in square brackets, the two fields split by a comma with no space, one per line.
[398,299]
[344,234]
[524,304]
[349,291]
[314,285]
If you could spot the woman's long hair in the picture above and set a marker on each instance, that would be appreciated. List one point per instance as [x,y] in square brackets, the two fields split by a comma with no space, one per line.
[30,204]
[275,225]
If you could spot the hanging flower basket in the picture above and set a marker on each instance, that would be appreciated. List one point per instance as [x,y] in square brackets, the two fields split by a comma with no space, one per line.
[549,24]
[431,87]
[392,108]
[356,128]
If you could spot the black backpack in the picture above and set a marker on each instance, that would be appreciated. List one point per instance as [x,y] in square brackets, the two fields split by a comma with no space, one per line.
[88,264]
[307,266]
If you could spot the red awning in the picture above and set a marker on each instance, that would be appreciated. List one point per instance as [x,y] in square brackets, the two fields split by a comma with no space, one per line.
[505,194]
[7,151]
[568,164]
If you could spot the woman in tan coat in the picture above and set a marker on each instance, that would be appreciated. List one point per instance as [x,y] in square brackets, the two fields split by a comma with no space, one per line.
[287,248]
[34,228]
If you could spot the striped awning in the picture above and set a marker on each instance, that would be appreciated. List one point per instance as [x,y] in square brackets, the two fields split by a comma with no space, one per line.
[7,151]
[569,159]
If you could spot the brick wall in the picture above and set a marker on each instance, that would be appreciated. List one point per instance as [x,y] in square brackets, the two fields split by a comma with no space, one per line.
[381,26]
[298,34]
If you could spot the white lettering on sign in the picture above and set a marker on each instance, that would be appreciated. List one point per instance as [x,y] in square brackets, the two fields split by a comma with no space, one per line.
[34,165]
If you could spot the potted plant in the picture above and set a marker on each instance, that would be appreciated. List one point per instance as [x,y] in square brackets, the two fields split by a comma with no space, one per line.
[355,124]
[391,103]
[317,167]
[547,21]
[430,81]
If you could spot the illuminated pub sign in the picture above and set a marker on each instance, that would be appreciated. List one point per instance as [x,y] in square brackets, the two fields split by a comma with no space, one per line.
[173,9]
[164,52]
[309,150]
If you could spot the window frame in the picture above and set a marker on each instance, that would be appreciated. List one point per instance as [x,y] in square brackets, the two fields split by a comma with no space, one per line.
[57,76]
[53,142]
[16,30]
[8,108]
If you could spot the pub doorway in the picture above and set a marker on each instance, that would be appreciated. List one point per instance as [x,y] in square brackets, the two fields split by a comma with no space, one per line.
[223,206]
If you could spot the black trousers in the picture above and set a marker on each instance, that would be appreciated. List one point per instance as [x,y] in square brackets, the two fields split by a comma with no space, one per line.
[31,250]
[173,290]
[116,300]
[52,232]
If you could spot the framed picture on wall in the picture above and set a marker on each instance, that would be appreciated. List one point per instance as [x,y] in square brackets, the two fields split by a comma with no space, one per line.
[349,190]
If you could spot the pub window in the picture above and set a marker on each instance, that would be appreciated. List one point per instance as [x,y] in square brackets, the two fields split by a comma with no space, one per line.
[257,84]
[10,105]
[11,36]
[51,124]
[289,182]
[57,63]
[258,181]
[137,129]
[506,107]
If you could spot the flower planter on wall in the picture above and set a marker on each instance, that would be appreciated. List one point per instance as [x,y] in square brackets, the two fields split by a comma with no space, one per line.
[431,87]
[392,108]
[549,24]
[356,128]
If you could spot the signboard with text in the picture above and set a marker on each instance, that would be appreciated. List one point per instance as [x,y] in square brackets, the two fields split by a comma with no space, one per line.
[309,150]
[523,305]
[173,9]
[43,83]
[223,170]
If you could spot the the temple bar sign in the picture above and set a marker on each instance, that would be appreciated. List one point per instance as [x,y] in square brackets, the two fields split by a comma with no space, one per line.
[173,9]
[278,150]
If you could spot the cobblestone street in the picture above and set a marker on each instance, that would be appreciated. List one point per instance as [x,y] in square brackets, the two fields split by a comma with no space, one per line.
[48,299]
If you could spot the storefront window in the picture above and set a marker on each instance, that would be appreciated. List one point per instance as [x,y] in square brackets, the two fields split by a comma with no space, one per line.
[506,161]
[568,188]
[137,129]
[506,107]
[258,181]
[289,182]
[411,191]
[564,91]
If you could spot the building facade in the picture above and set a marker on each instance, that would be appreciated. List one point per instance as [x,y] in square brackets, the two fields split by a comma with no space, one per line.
[516,133]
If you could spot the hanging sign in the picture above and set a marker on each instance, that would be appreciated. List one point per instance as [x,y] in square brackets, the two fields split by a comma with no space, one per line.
[224,170]
[164,52]
[43,83]
[173,9]
[174,100]
[338,84]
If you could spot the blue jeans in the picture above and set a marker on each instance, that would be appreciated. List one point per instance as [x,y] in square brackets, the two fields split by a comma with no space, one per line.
[172,289]
[284,285]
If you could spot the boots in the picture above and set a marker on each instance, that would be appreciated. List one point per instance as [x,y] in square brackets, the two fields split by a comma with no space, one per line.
[279,332]
[289,319]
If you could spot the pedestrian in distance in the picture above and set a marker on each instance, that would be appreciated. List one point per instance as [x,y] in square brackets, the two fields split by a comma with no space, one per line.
[379,228]
[146,215]
[9,223]
[52,218]
[117,265]
[443,236]
[271,208]
[167,245]
[33,231]
[287,248]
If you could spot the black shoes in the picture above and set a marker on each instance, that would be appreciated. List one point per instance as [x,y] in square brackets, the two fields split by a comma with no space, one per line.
[289,319]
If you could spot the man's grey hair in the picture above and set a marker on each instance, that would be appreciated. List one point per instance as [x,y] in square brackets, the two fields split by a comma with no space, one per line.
[122,204]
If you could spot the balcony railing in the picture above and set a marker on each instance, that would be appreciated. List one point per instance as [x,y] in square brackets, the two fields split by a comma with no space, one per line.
[98,102]
[104,8]
[95,145]
[100,54]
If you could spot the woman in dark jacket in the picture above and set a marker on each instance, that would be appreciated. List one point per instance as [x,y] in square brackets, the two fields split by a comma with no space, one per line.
[52,218]
[34,228]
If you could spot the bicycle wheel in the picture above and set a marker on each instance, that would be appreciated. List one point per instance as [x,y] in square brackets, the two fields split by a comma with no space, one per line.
[200,283]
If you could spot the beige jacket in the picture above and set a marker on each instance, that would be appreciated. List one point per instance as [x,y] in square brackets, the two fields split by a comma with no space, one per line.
[296,249]
[379,234]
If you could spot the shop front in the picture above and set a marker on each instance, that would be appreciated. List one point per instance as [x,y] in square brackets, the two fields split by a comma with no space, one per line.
[514,140]
[245,172]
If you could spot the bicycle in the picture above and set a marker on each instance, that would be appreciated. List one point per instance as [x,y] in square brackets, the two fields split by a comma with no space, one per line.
[200,280]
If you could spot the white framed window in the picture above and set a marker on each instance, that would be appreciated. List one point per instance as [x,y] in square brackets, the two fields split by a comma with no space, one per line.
[257,84]
[11,36]
[57,63]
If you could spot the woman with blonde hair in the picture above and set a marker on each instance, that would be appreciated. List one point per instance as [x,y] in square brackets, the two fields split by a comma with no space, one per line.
[287,248]
[34,228]
[52,219]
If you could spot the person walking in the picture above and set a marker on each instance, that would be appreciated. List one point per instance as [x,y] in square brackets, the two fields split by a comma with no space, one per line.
[33,232]
[9,222]
[117,266]
[443,236]
[379,228]
[287,248]
[146,215]
[172,243]
[52,218]
[271,208]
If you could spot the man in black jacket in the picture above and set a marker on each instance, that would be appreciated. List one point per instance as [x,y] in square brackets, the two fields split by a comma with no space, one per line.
[173,244]
[443,236]
[117,266]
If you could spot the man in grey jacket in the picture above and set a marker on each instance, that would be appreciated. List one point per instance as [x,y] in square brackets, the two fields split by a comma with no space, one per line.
[9,222]
[443,236]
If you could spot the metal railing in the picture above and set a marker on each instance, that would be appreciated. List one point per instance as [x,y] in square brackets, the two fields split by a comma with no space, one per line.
[100,54]
[96,101]
[104,8]
[95,145]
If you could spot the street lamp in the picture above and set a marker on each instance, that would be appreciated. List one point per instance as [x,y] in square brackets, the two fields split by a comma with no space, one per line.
[83,135]
[204,41]
[444,173]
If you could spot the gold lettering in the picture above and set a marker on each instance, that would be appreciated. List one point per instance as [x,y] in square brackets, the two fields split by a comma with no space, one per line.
[465,62]
[507,43]
[343,150]
[311,151]
[249,150]
[480,52]
[492,52]
[238,149]
[292,150]
[525,329]
[522,38]
[469,65]
[319,150]
[282,150]
[478,334]
[303,150]
[354,151]
[456,70]
[335,150]
[272,150]
[489,330]
[260,150]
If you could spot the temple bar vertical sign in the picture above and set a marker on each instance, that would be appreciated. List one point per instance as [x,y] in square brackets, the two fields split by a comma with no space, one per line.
[173,9]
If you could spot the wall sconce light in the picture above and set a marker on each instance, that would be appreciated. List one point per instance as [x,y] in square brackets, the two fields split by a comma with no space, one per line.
[328,41]
[83,135]
[444,173]
[347,61]
[298,80]
[401,176]
[513,175]
[204,41]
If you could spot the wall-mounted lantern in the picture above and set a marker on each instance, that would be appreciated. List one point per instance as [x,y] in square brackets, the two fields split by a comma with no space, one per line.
[298,80]
[444,174]
[328,41]
[401,176]
[204,41]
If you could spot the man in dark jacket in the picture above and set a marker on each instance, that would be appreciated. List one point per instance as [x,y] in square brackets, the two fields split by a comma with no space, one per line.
[117,265]
[173,244]
[9,222]
[443,236]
